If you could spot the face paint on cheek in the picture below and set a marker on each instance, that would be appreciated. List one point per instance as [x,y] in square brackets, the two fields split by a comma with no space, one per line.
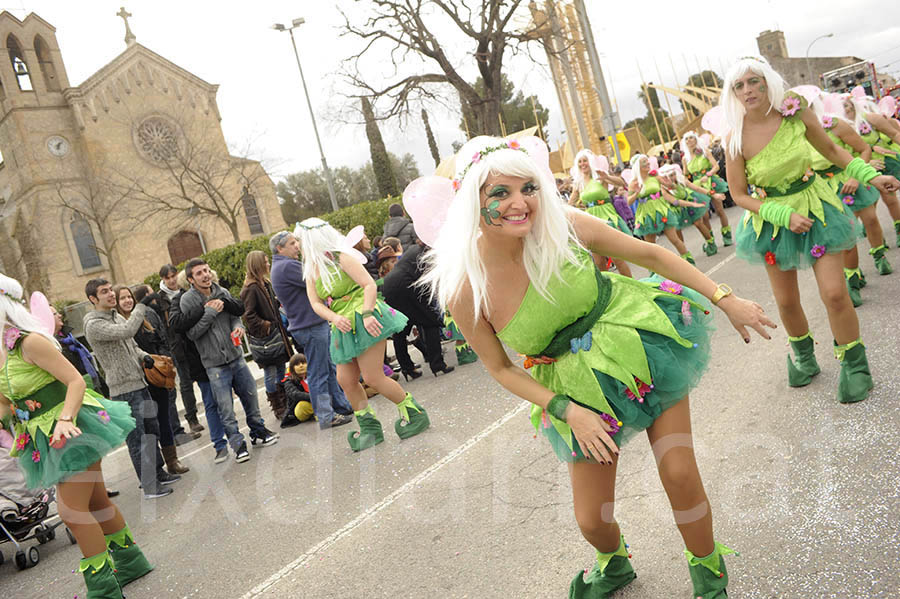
[763,88]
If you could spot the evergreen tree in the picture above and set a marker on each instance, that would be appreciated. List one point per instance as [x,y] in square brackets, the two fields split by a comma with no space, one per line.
[384,174]
[432,145]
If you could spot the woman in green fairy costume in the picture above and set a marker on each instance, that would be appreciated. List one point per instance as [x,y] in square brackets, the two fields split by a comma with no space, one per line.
[609,356]
[798,221]
[656,211]
[682,190]
[341,291]
[884,139]
[62,431]
[701,168]
[590,191]
[860,199]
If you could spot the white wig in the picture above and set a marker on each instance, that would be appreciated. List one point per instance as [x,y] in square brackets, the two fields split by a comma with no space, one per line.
[636,168]
[671,169]
[576,172]
[686,153]
[861,106]
[456,259]
[14,314]
[320,243]
[732,108]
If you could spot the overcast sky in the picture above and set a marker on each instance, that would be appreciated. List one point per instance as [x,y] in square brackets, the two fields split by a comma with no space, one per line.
[231,44]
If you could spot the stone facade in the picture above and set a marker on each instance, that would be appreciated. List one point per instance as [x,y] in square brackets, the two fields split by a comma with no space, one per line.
[796,71]
[88,170]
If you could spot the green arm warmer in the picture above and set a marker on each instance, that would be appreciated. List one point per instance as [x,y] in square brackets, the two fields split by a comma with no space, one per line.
[859,170]
[557,406]
[776,213]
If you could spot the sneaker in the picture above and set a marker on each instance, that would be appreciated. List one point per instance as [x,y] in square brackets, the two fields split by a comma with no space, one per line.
[268,438]
[241,455]
[341,419]
[159,491]
[221,455]
[164,478]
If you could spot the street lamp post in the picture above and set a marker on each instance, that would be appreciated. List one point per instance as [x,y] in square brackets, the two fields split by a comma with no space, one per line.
[808,48]
[294,24]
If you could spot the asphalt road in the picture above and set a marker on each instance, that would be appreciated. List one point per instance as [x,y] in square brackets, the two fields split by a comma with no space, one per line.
[806,489]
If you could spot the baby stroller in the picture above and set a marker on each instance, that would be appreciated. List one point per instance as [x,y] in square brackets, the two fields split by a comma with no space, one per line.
[25,514]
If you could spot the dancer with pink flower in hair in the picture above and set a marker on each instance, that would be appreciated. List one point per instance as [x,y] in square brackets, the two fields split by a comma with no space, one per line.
[796,221]
[609,357]
[342,292]
[702,169]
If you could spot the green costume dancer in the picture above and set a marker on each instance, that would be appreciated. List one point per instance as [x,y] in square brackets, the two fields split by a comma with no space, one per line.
[597,202]
[701,169]
[60,438]
[693,205]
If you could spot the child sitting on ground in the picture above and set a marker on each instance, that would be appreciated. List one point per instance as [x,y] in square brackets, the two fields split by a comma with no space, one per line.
[299,406]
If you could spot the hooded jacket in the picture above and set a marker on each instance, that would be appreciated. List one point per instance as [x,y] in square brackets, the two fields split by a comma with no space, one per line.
[401,228]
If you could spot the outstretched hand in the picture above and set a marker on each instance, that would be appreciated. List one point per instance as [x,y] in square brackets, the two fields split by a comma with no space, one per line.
[885,183]
[745,313]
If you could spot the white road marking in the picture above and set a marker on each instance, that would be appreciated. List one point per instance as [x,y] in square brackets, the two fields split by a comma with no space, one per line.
[720,264]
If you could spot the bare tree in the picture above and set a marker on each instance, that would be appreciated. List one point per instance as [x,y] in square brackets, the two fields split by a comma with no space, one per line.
[407,31]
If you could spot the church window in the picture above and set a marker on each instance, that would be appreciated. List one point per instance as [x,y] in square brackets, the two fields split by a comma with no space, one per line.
[20,69]
[252,212]
[157,139]
[45,62]
[85,245]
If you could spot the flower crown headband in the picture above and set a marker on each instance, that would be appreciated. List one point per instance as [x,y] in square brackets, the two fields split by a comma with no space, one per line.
[476,158]
[19,300]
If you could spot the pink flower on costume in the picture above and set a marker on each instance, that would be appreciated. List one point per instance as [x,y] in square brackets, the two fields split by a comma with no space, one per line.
[513,145]
[817,251]
[10,336]
[455,185]
[32,405]
[827,122]
[790,106]
[865,128]
[476,158]
[35,456]
[643,389]
[848,199]
[22,440]
[671,287]
[393,312]
[103,415]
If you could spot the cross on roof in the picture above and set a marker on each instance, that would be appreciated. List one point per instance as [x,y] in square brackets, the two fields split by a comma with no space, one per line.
[129,36]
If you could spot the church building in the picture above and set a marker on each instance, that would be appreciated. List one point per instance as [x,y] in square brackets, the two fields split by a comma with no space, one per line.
[119,175]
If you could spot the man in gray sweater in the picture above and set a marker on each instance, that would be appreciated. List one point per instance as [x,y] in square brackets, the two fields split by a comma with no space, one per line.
[217,336]
[111,338]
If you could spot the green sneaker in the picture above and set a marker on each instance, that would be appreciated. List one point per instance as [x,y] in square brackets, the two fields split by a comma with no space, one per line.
[804,367]
[708,574]
[413,418]
[465,354]
[726,236]
[881,262]
[99,577]
[855,380]
[689,258]
[709,248]
[612,571]
[128,558]
[369,433]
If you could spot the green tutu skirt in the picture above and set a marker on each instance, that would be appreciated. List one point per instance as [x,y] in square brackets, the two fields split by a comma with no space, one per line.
[715,184]
[648,221]
[346,346]
[791,251]
[892,166]
[675,371]
[865,196]
[690,214]
[102,430]
[607,213]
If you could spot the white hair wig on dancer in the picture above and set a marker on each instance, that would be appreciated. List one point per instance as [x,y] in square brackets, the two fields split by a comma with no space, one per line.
[13,312]
[636,168]
[861,106]
[456,259]
[671,169]
[732,108]
[577,173]
[686,153]
[320,243]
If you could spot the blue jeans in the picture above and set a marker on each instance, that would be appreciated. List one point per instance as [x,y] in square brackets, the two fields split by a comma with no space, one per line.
[142,441]
[216,430]
[273,375]
[222,379]
[321,375]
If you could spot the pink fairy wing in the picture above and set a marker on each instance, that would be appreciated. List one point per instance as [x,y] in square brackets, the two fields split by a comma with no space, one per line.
[40,309]
[628,175]
[809,92]
[833,104]
[427,200]
[600,163]
[355,235]
[888,106]
[858,92]
[537,149]
[654,163]
[714,121]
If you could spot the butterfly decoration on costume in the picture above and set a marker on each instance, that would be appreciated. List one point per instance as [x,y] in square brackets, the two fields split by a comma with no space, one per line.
[582,343]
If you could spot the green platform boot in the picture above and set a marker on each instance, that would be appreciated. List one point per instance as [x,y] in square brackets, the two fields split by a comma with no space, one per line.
[413,418]
[612,572]
[855,380]
[854,284]
[689,257]
[708,574]
[862,278]
[465,354]
[129,560]
[726,236]
[369,433]
[709,248]
[897,230]
[803,367]
[881,262]
[100,578]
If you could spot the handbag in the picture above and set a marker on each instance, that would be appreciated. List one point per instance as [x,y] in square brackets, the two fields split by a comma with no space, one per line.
[163,372]
[270,349]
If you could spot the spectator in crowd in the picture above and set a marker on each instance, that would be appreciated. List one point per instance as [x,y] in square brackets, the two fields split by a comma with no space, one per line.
[263,320]
[150,338]
[399,226]
[217,336]
[299,406]
[168,287]
[112,339]
[387,258]
[364,246]
[76,353]
[309,331]
[179,324]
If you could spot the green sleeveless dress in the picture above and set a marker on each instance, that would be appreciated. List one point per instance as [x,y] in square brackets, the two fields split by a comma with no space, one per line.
[697,168]
[873,137]
[689,214]
[865,195]
[346,298]
[38,400]
[628,349]
[653,214]
[781,173]
[595,197]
